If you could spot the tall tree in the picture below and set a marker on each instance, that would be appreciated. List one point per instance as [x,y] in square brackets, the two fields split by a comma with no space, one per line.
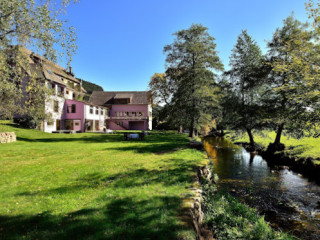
[243,99]
[294,58]
[40,26]
[191,61]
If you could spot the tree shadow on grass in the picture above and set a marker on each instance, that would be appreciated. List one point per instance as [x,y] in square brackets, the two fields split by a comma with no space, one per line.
[176,174]
[125,218]
[85,139]
[173,139]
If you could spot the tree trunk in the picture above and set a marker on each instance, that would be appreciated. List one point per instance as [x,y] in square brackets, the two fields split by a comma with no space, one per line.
[279,133]
[191,131]
[221,133]
[180,129]
[249,131]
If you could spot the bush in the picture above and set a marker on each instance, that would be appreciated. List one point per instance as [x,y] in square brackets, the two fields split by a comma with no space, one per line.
[26,122]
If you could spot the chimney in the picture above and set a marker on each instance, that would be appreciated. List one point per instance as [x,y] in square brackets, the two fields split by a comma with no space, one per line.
[70,71]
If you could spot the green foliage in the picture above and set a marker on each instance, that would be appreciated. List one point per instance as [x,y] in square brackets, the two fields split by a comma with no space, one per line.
[95,186]
[191,61]
[40,26]
[161,87]
[243,93]
[294,81]
[230,219]
[90,87]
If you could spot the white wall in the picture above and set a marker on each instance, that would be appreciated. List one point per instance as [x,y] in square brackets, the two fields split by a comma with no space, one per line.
[70,95]
[49,108]
[93,116]
[150,116]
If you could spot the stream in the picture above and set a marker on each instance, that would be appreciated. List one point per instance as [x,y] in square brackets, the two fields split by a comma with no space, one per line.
[288,201]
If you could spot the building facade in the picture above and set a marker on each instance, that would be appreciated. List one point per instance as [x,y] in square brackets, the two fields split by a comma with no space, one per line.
[126,110]
[105,110]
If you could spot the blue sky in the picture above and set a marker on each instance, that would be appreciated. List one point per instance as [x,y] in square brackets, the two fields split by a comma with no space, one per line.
[120,42]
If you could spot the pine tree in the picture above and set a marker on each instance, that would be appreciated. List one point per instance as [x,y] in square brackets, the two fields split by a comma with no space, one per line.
[243,100]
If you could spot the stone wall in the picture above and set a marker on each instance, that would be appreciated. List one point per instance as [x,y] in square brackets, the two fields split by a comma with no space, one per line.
[7,137]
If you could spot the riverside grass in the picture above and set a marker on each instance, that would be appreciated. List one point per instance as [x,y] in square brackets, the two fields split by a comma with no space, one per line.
[230,219]
[95,186]
[301,148]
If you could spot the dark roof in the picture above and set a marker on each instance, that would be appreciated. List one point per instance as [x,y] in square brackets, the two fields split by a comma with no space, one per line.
[50,70]
[107,98]
[123,96]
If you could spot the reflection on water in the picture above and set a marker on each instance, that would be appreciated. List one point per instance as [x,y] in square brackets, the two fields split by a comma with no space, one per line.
[288,200]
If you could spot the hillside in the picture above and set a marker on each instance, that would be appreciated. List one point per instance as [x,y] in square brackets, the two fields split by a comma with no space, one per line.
[90,87]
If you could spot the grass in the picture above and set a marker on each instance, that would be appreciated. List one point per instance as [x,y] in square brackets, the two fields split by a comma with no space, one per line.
[302,148]
[95,186]
[230,219]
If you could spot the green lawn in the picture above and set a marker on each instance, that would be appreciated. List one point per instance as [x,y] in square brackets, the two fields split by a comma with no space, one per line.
[95,186]
[301,148]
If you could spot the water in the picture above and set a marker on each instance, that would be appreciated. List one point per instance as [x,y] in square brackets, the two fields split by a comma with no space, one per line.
[289,201]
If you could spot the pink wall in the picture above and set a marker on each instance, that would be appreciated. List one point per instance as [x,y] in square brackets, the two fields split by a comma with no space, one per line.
[137,125]
[129,108]
[78,115]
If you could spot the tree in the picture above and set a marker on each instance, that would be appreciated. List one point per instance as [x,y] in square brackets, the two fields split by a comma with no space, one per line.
[161,88]
[191,61]
[244,94]
[294,59]
[40,26]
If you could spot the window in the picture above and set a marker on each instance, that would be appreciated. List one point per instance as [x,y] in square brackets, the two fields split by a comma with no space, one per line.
[71,108]
[97,111]
[60,90]
[91,110]
[51,85]
[127,114]
[133,114]
[76,123]
[140,114]
[55,106]
[67,92]
[101,112]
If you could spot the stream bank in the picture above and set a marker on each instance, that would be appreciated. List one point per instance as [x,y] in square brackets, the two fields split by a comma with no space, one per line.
[217,214]
[289,202]
[305,166]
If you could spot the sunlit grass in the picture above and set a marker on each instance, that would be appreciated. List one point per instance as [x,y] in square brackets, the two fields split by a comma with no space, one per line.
[302,148]
[94,186]
[230,219]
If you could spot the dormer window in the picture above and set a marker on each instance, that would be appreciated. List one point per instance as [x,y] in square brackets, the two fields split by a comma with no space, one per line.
[122,98]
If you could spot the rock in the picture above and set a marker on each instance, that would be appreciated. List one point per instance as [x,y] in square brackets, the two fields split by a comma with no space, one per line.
[196,145]
[7,137]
